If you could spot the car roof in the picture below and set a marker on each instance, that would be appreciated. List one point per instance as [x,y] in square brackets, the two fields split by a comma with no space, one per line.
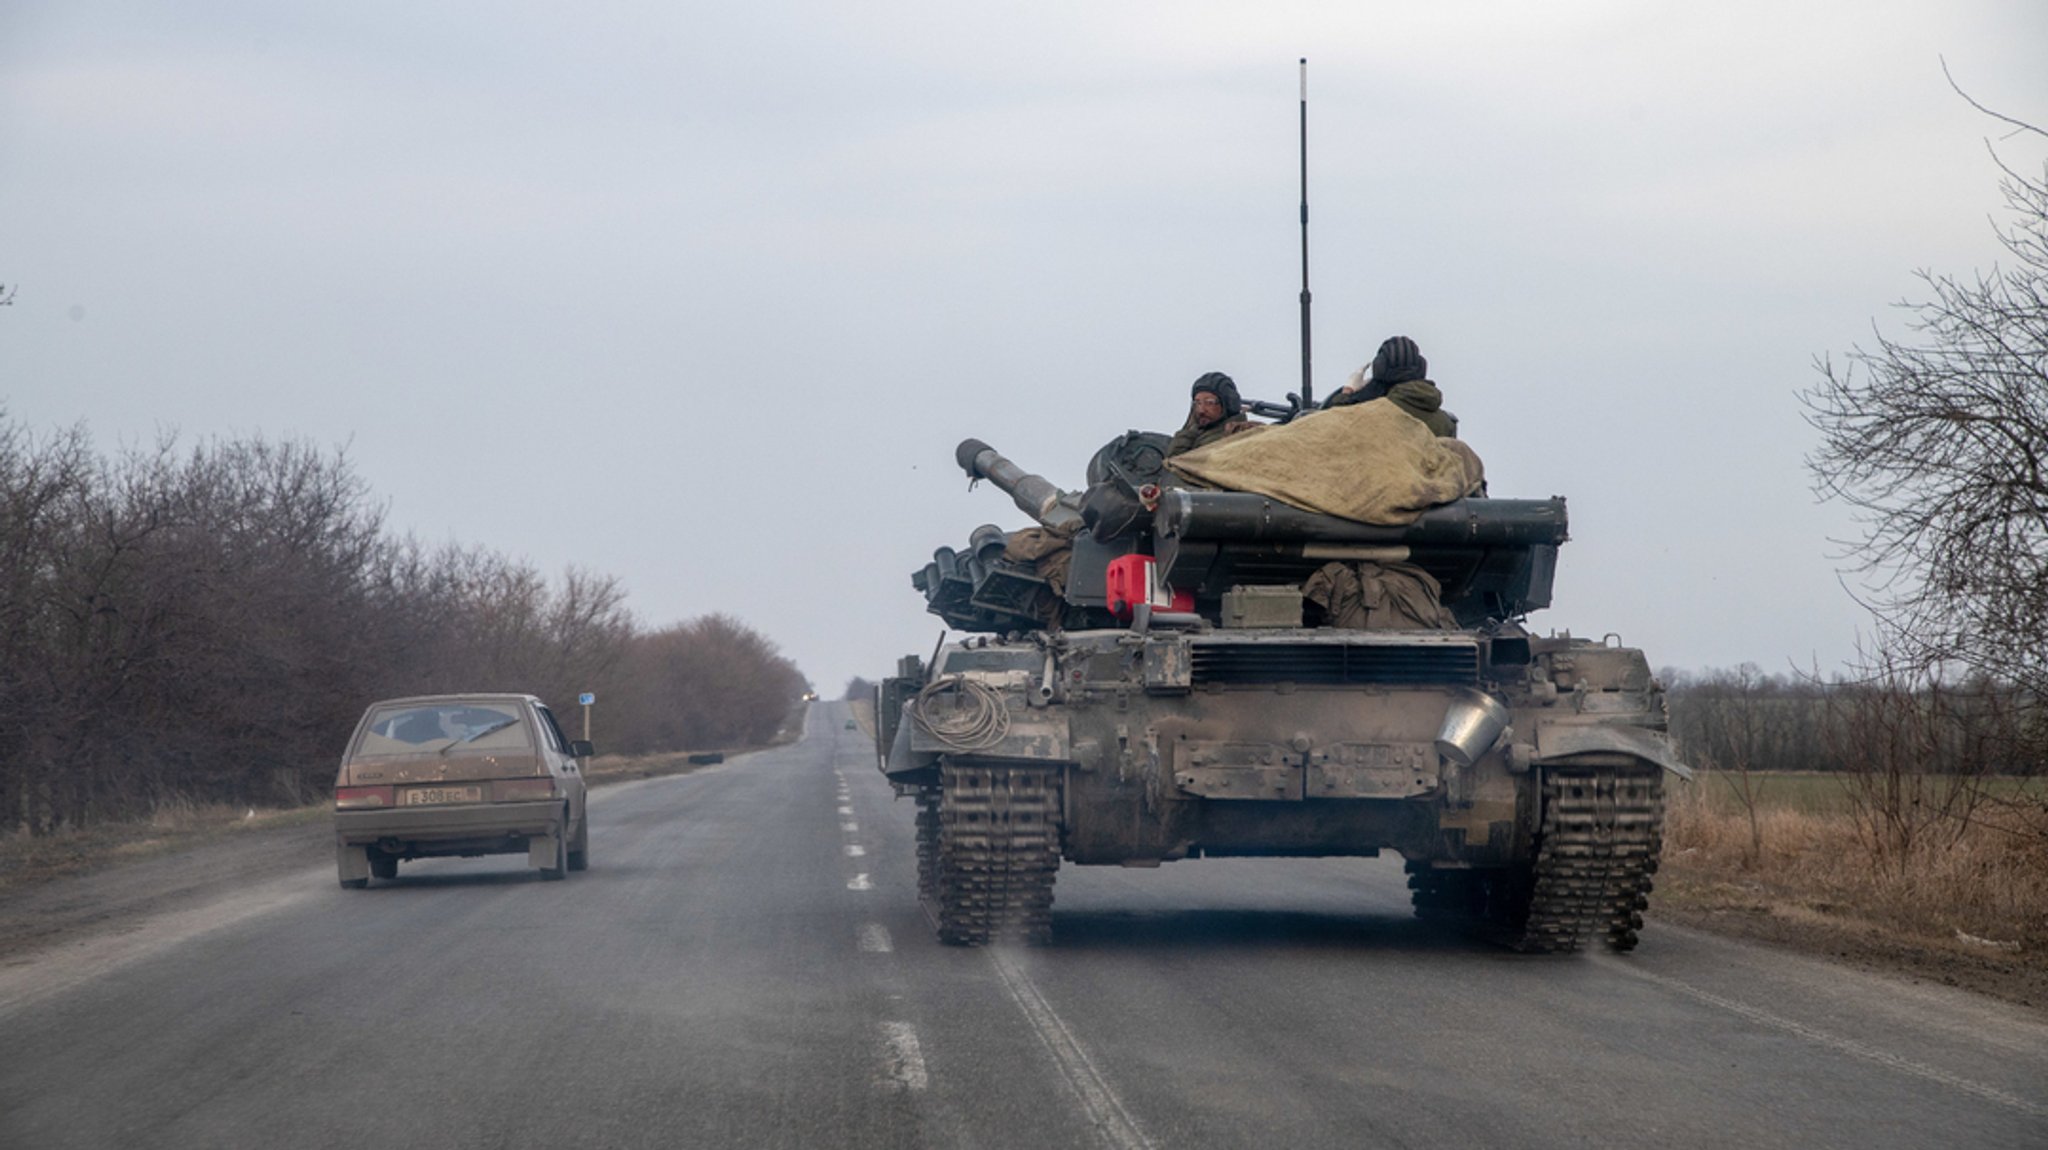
[465,697]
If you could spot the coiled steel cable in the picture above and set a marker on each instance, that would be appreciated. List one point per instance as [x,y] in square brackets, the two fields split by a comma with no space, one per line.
[976,719]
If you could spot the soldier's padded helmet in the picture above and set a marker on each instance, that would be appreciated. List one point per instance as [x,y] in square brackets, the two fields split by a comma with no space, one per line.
[1224,389]
[1399,361]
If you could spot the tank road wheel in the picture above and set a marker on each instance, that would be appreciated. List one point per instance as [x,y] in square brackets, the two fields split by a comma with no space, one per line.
[998,851]
[1494,901]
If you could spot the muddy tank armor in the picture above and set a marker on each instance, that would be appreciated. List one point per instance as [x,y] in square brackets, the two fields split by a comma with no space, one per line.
[1171,701]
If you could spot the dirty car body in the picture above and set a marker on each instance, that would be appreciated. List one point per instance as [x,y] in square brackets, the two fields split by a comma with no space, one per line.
[459,775]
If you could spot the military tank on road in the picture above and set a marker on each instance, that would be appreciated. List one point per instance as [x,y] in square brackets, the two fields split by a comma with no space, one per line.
[1144,680]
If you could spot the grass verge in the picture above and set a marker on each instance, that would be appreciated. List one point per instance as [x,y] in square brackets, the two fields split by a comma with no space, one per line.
[1967,906]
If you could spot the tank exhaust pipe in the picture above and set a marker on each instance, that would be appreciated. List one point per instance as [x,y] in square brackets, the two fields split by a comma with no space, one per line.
[1474,723]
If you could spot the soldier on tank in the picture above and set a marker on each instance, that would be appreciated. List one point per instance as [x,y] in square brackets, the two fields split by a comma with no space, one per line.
[1215,412]
[1400,373]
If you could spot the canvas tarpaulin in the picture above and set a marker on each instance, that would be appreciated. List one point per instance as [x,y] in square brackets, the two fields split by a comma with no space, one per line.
[1372,463]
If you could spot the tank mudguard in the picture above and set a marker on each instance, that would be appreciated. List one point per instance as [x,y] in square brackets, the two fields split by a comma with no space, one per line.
[1563,742]
[905,765]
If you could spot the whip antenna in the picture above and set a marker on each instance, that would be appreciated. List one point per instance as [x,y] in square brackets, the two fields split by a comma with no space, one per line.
[1307,394]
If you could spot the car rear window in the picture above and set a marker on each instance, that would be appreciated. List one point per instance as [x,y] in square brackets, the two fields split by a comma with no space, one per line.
[410,728]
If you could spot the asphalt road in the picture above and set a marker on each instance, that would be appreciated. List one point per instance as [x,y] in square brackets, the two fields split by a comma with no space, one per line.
[745,965]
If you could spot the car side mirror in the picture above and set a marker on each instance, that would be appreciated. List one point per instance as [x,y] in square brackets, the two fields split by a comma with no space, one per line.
[581,748]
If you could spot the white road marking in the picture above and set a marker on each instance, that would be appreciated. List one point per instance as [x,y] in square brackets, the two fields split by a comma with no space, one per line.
[850,827]
[902,1058]
[874,939]
[1104,1109]
[1836,1042]
[855,850]
[845,810]
[859,882]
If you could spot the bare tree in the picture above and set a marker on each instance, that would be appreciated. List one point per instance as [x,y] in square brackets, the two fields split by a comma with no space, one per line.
[1939,441]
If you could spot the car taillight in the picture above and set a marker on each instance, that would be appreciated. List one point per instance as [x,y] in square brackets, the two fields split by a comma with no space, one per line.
[524,789]
[346,798]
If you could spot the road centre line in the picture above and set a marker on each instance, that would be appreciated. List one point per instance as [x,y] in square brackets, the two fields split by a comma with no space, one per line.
[1834,1042]
[902,1058]
[1105,1111]
[874,939]
[850,827]
[859,882]
[855,850]
[846,810]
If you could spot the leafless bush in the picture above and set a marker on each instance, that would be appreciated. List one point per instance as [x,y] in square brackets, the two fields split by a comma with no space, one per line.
[1915,752]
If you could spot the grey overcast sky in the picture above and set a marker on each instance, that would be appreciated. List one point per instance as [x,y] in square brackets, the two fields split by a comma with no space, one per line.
[703,295]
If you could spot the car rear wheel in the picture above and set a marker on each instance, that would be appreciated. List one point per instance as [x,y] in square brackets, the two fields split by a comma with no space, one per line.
[579,850]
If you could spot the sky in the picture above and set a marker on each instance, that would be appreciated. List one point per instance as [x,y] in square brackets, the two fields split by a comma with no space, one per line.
[702,296]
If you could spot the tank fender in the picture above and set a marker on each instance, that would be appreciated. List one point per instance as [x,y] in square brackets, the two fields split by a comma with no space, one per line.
[905,764]
[1560,741]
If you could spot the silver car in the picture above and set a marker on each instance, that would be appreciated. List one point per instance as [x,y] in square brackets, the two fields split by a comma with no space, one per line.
[460,775]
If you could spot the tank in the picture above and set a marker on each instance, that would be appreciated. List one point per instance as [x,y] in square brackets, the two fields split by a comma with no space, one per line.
[1144,679]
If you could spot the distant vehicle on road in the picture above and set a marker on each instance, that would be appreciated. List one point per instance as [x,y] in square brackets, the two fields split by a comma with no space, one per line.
[460,775]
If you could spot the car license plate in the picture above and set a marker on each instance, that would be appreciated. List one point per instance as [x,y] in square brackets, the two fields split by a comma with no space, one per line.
[422,796]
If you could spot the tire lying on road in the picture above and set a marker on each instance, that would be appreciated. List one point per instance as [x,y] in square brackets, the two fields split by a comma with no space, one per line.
[459,775]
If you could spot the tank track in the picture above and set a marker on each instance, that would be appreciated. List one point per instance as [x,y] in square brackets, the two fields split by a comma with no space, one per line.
[928,846]
[1602,833]
[991,833]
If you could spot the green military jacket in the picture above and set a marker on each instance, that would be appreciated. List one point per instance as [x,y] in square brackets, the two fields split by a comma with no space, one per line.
[1421,399]
[1191,436]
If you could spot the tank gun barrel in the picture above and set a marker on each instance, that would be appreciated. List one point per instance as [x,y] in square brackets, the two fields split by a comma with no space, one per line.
[1033,494]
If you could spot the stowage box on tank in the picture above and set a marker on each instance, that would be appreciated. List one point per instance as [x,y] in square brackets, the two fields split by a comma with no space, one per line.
[1521,777]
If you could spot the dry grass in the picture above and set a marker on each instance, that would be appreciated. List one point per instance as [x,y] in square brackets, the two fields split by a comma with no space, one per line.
[172,826]
[1981,888]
